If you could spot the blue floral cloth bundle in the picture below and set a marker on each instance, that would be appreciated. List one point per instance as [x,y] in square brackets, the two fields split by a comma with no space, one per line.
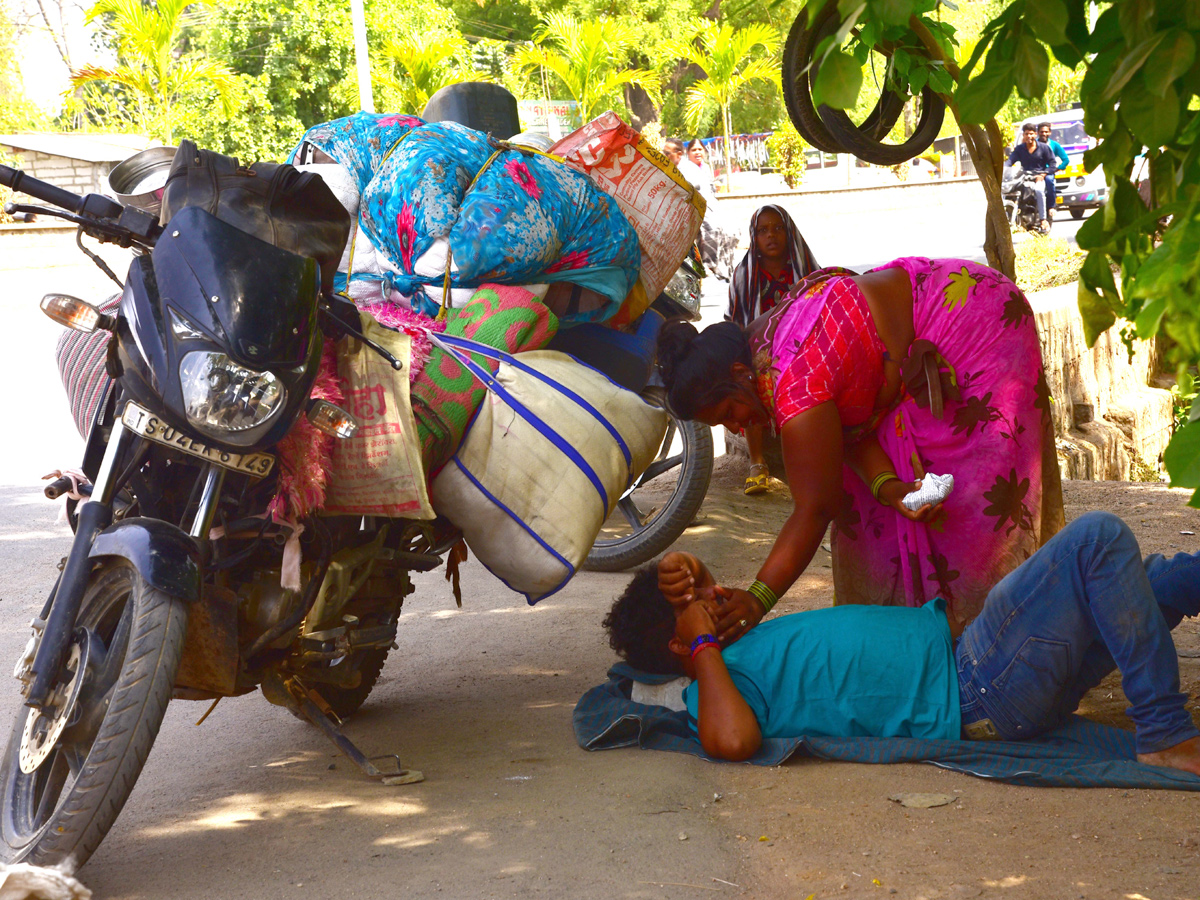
[504,216]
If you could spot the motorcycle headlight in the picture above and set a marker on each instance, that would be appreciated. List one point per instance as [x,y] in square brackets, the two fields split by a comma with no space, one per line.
[228,401]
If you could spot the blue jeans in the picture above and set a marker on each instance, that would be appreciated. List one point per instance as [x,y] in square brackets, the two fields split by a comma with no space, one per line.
[1084,604]
[1051,191]
[1039,197]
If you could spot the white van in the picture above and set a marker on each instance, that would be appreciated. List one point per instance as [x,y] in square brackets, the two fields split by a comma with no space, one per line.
[1078,190]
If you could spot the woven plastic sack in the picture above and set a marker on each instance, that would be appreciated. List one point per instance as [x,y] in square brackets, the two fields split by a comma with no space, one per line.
[663,208]
[551,450]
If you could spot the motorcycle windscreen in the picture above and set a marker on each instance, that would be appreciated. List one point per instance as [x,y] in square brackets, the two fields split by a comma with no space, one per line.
[257,300]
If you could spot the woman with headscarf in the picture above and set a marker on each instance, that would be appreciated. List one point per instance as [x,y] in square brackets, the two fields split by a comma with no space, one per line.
[778,258]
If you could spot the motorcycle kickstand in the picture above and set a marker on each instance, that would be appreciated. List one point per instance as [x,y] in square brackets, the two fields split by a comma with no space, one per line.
[324,720]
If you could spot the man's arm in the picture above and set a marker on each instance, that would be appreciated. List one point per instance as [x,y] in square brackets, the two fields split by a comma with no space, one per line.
[725,722]
[1061,155]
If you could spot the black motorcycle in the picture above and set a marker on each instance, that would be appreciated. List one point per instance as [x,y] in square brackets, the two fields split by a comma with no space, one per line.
[173,583]
[1019,190]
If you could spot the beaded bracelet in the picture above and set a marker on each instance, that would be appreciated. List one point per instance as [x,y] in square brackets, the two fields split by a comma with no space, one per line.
[880,480]
[703,642]
[767,597]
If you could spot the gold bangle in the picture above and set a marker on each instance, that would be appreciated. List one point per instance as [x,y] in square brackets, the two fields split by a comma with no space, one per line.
[880,480]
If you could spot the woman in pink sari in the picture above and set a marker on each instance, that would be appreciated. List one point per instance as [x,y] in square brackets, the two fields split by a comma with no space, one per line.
[871,381]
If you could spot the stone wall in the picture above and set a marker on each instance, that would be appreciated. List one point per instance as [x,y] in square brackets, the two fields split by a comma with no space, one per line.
[1104,409]
[76,175]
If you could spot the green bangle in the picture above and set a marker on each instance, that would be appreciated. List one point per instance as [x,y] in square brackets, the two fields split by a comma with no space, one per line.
[765,596]
[880,480]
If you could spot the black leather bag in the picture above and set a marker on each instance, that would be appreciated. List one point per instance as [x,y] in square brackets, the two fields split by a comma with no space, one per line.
[274,202]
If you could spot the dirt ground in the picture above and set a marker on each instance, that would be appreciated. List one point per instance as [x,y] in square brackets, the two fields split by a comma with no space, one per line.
[828,829]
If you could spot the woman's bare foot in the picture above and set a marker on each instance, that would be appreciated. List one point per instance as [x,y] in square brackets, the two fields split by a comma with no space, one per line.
[1185,756]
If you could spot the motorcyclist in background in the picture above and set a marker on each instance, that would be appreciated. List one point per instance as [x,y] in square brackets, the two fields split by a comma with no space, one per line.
[1035,157]
[1062,160]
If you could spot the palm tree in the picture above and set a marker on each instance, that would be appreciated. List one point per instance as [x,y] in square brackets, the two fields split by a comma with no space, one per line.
[149,65]
[426,63]
[723,52]
[590,58]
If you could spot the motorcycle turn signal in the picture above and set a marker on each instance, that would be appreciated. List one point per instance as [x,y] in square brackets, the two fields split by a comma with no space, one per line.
[76,314]
[331,420]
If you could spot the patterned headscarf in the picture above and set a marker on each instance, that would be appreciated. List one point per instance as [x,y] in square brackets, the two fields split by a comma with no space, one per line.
[746,287]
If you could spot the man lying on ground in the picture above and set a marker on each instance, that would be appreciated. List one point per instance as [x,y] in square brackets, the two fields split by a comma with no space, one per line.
[1084,604]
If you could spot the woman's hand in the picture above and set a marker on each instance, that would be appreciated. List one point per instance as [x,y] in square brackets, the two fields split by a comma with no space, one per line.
[739,612]
[893,493]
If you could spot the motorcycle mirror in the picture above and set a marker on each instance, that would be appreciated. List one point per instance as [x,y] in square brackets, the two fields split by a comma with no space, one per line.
[331,420]
[75,314]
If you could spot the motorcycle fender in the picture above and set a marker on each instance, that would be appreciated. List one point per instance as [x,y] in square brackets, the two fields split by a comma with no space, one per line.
[166,557]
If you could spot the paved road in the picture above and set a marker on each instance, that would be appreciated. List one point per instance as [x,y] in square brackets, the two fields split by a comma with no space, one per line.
[256,805]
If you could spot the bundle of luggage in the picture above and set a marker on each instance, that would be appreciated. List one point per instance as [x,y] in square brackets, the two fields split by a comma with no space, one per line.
[595,227]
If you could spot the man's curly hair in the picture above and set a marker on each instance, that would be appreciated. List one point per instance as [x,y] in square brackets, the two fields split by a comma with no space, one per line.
[641,623]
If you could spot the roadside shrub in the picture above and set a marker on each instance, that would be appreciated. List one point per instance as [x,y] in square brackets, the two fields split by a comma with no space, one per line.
[1045,263]
[787,153]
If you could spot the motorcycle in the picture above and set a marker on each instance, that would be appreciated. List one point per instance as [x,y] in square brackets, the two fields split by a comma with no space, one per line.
[172,586]
[1019,190]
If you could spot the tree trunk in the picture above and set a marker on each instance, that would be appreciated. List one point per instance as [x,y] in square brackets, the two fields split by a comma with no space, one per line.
[641,108]
[725,117]
[986,147]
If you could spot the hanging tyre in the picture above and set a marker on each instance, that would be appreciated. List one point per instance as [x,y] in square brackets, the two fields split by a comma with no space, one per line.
[653,513]
[797,92]
[66,776]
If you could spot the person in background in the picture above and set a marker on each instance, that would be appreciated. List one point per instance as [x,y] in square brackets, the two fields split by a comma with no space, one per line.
[1038,159]
[1062,159]
[695,168]
[673,150]
[778,258]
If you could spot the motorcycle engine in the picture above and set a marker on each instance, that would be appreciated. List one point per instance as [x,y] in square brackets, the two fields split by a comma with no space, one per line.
[263,603]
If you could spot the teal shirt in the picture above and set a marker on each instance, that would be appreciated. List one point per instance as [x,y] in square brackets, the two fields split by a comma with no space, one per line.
[848,671]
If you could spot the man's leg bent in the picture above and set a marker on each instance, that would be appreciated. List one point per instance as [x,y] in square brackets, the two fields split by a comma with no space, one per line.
[1020,660]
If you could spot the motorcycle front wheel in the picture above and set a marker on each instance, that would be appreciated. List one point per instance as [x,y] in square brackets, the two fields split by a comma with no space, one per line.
[653,513]
[64,783]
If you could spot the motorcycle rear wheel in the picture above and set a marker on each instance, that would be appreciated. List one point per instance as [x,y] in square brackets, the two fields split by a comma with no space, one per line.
[60,812]
[632,535]
[345,701]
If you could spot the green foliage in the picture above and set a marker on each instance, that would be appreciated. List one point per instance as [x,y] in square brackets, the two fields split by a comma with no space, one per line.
[1046,262]
[294,67]
[731,60]
[421,64]
[17,113]
[152,74]
[589,59]
[787,153]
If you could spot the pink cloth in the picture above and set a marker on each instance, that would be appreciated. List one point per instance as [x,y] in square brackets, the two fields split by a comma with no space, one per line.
[996,440]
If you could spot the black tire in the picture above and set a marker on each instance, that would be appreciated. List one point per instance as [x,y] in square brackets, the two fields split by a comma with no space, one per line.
[663,526]
[344,701]
[1076,212]
[797,93]
[87,776]
[870,149]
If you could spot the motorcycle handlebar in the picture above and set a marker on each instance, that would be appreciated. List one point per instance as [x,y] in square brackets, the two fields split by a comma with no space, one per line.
[90,205]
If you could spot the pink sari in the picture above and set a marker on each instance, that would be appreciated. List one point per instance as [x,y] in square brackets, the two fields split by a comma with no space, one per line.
[994,435]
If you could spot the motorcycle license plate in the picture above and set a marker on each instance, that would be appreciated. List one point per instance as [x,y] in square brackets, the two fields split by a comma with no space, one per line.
[152,427]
